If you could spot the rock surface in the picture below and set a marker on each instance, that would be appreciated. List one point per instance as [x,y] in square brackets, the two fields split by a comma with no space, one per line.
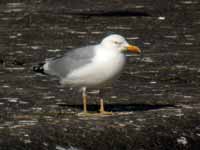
[156,102]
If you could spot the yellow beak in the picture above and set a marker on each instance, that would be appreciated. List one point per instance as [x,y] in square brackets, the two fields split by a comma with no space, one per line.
[134,49]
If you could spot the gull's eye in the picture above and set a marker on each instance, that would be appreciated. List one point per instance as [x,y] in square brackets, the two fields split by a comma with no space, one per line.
[116,42]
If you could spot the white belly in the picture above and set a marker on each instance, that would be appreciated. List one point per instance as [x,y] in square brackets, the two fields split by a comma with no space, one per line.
[104,67]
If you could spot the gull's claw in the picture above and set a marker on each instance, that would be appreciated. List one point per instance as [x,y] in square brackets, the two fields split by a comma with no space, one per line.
[105,113]
[101,114]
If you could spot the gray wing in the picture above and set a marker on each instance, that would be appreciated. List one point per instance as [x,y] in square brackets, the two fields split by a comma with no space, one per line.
[70,61]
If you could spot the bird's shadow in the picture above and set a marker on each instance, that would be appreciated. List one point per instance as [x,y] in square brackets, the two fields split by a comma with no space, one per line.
[122,107]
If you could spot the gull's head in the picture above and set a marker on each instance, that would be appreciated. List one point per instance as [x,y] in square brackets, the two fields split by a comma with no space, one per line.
[118,43]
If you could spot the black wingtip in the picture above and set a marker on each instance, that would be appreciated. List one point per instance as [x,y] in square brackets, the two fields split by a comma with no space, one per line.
[39,68]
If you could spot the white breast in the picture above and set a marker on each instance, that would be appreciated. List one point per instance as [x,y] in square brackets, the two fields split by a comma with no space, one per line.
[104,67]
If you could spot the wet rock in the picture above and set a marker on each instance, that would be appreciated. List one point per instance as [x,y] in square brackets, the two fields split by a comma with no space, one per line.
[155,101]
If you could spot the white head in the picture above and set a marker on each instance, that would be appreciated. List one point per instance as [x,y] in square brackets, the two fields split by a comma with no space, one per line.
[118,43]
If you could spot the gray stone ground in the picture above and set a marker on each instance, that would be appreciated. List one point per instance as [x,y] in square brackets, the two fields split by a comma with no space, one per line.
[156,102]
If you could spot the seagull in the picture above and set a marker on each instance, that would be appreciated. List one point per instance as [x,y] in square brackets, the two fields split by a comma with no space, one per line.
[91,66]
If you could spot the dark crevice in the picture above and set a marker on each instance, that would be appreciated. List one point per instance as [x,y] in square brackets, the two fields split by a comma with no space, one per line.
[111,14]
[122,107]
[104,13]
